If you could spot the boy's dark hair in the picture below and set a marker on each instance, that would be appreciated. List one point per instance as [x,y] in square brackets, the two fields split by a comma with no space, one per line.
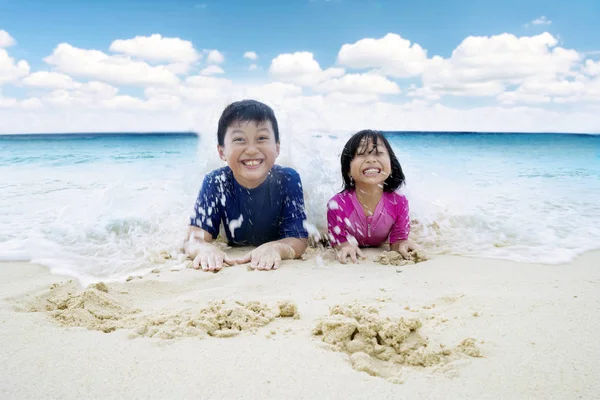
[245,111]
[396,178]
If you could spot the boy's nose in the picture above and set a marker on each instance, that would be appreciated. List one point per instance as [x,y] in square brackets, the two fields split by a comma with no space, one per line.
[251,149]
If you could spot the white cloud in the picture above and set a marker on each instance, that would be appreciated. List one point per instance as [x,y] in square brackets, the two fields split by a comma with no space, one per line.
[49,80]
[215,57]
[541,21]
[352,98]
[7,102]
[301,68]
[87,94]
[525,76]
[484,66]
[5,39]
[521,97]
[252,67]
[423,93]
[157,48]
[250,55]
[207,81]
[359,83]
[178,68]
[335,112]
[394,55]
[10,70]
[116,69]
[212,70]
[592,68]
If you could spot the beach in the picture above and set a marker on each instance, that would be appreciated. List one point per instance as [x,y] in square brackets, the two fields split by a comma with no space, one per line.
[533,326]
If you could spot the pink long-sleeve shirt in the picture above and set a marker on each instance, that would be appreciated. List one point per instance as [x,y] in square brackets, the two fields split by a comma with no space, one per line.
[389,223]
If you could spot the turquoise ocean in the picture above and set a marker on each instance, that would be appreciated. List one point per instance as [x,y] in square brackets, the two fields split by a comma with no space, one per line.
[105,206]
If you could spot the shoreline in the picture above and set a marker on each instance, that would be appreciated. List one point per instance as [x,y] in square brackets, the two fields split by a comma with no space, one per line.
[524,317]
[314,256]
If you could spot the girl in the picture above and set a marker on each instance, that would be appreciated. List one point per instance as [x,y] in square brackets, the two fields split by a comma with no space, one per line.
[368,212]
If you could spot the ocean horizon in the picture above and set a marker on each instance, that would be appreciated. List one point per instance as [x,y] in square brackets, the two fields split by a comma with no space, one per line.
[55,135]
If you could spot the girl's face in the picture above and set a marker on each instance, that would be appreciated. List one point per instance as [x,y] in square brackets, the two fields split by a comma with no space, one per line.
[371,164]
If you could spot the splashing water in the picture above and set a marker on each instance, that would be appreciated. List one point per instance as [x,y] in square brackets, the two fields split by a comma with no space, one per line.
[105,207]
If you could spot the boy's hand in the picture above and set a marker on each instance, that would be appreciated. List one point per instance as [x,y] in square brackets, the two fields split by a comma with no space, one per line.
[347,250]
[211,258]
[267,256]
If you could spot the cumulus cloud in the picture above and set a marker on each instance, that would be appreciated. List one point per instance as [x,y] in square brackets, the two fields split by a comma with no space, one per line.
[392,54]
[521,75]
[49,80]
[157,48]
[359,83]
[592,68]
[485,66]
[215,57]
[86,94]
[212,70]
[5,39]
[250,55]
[541,21]
[301,68]
[10,70]
[116,69]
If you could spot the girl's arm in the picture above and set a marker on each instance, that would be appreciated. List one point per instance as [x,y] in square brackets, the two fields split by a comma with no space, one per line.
[401,229]
[339,236]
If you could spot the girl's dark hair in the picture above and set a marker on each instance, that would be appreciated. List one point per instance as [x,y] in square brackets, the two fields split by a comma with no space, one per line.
[396,178]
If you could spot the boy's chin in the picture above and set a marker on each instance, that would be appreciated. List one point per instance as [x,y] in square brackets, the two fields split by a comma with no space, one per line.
[252,178]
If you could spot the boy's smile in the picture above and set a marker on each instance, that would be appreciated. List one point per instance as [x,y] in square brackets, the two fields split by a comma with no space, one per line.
[250,150]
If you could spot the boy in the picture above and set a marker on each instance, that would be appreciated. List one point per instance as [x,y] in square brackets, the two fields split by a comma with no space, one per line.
[259,203]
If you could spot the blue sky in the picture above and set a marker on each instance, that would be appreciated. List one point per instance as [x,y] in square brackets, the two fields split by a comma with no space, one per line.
[274,27]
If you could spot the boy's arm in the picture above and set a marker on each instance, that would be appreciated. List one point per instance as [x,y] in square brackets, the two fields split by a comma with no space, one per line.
[292,231]
[204,228]
[294,236]
[298,245]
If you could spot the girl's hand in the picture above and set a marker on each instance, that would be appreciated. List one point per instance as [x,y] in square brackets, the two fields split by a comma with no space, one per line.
[347,250]
[404,247]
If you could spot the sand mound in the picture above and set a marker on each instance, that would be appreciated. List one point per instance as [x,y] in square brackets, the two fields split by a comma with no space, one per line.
[219,319]
[381,346]
[92,308]
[395,258]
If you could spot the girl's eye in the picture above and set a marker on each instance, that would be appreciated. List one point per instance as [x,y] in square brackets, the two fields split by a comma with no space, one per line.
[238,140]
[263,138]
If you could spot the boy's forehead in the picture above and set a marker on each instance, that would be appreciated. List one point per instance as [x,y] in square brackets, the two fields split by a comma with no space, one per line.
[250,125]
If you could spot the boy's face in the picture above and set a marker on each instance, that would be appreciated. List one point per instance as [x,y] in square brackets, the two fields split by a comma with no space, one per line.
[250,150]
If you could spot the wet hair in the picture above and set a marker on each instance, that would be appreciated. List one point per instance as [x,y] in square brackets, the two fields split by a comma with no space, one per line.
[246,111]
[356,144]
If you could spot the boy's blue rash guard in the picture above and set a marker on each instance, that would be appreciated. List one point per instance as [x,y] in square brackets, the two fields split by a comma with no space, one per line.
[272,211]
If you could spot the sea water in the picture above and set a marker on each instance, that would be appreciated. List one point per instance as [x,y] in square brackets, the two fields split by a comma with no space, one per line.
[104,206]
